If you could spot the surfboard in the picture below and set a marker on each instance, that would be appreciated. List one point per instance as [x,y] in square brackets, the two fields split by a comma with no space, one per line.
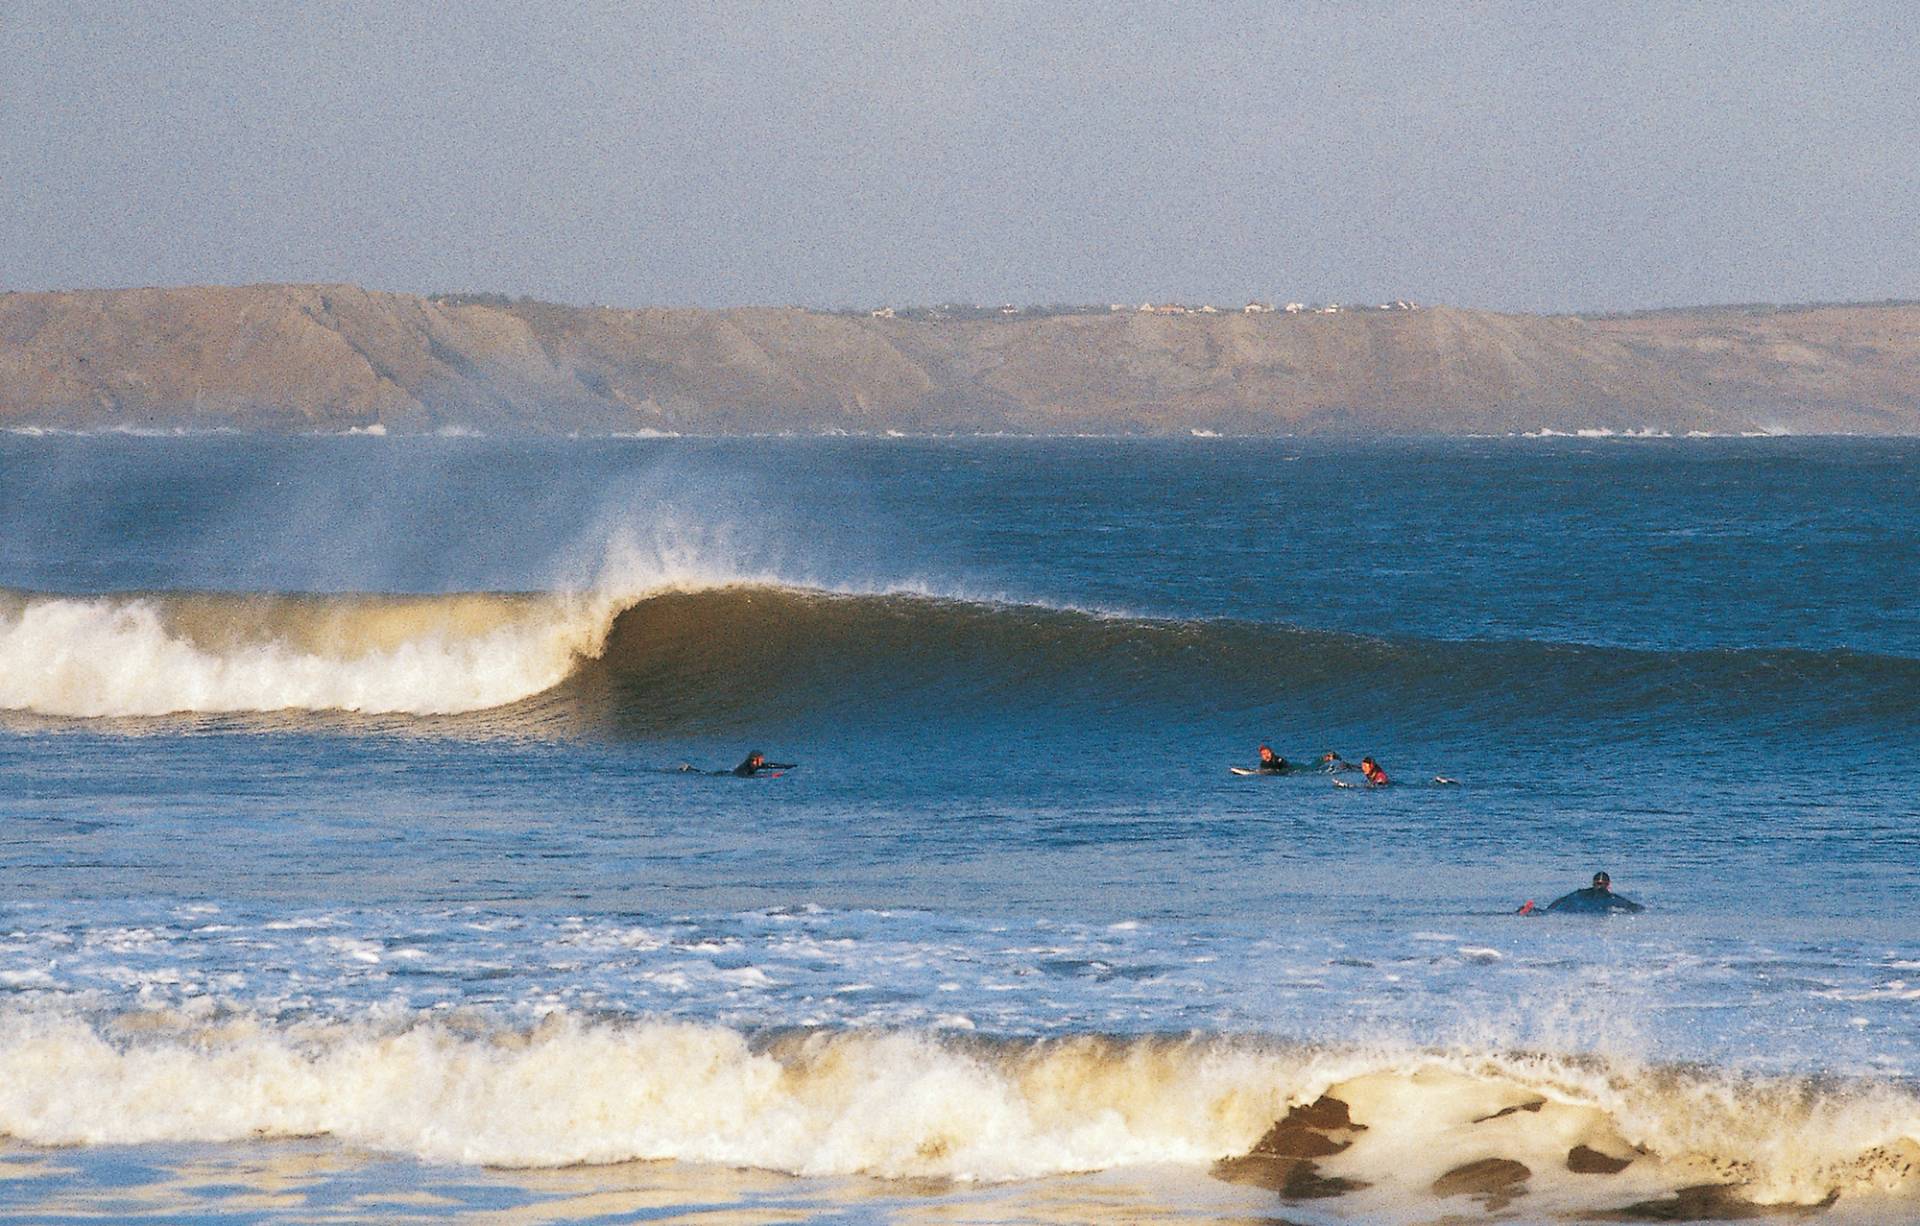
[1254,770]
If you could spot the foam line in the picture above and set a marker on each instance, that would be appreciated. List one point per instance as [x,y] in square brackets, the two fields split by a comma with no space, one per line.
[919,1105]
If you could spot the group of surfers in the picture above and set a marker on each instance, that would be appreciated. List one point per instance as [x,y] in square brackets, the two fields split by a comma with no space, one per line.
[1596,899]
[1272,763]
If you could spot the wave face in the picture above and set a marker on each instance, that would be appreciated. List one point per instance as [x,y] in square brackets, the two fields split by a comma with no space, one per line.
[919,1105]
[710,659]
[694,659]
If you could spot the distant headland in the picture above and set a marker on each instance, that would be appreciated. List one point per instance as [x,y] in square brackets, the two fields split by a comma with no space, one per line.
[337,358]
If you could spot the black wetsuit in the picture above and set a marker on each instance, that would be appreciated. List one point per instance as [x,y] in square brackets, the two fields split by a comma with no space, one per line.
[747,768]
[1273,766]
[1592,901]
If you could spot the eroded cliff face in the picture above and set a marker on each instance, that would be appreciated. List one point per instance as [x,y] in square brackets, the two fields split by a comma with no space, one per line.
[336,357]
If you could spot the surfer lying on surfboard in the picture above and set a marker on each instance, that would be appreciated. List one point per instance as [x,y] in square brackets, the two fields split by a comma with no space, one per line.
[755,763]
[1376,777]
[1596,899]
[1270,763]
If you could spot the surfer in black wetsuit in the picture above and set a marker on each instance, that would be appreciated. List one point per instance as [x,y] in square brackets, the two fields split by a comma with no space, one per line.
[1272,763]
[756,762]
[1596,899]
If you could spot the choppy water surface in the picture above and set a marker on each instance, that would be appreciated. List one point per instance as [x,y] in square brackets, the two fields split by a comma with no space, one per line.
[343,802]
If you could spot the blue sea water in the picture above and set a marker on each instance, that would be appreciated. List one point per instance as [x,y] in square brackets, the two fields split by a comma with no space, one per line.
[347,835]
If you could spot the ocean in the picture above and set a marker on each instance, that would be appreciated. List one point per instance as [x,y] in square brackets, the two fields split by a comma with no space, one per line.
[370,851]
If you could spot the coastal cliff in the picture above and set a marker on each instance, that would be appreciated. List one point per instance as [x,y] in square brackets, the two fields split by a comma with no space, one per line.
[337,357]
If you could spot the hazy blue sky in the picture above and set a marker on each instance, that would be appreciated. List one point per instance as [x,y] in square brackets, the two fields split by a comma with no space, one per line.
[1529,156]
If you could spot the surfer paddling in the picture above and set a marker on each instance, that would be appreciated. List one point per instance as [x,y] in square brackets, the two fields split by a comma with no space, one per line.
[1371,771]
[757,762]
[754,764]
[1271,763]
[1596,899]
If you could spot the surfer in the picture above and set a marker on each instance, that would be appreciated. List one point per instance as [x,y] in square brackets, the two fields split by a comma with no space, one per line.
[1596,899]
[1332,763]
[1272,763]
[1375,776]
[757,762]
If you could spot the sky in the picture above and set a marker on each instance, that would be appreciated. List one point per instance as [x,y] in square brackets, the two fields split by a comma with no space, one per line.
[1511,156]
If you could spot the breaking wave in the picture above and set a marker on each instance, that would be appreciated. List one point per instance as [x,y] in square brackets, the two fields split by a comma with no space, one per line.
[158,654]
[690,657]
[1381,1129]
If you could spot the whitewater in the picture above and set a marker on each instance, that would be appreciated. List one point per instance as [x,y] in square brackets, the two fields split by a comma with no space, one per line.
[356,870]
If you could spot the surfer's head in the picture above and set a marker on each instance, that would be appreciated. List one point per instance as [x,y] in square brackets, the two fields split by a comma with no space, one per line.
[756,757]
[1266,753]
[1602,882]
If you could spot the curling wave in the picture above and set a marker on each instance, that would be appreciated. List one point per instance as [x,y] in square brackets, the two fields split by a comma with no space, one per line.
[699,658]
[1385,1130]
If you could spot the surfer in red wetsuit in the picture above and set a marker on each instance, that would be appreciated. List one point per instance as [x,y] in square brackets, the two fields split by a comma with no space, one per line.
[1375,776]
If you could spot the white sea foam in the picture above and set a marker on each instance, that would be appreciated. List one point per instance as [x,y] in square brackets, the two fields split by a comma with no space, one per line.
[139,655]
[567,1091]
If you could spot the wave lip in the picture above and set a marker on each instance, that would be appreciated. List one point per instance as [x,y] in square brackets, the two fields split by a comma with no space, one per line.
[1396,1131]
